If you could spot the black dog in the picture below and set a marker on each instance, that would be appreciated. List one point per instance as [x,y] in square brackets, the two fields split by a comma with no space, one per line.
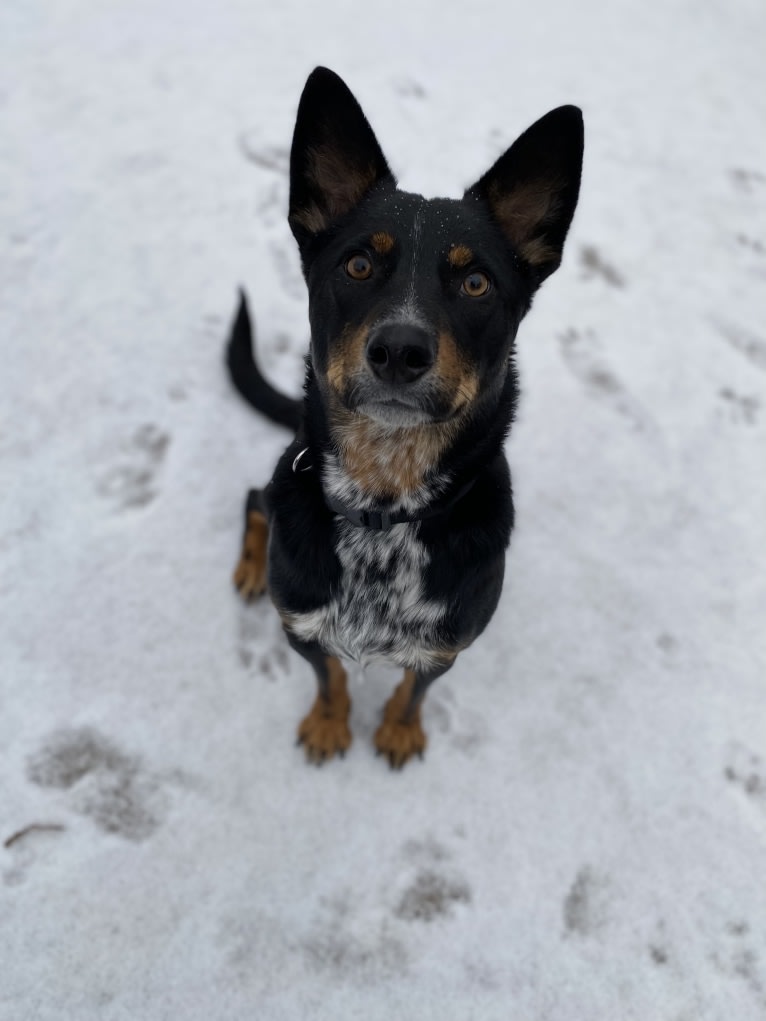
[386,522]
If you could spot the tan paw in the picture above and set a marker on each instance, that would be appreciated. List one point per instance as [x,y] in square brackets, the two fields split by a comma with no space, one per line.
[399,741]
[323,736]
[325,731]
[250,573]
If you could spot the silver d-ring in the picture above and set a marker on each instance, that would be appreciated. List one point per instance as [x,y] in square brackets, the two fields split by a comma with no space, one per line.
[297,459]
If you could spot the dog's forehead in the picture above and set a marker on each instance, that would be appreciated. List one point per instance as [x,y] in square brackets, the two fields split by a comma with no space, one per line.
[430,224]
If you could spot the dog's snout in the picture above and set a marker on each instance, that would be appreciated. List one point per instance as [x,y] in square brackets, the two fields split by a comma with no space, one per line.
[400,353]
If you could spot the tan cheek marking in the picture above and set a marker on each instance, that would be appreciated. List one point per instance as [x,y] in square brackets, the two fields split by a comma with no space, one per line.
[459,377]
[459,256]
[347,357]
[382,242]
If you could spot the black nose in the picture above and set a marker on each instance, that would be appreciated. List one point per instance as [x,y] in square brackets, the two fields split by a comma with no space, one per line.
[400,353]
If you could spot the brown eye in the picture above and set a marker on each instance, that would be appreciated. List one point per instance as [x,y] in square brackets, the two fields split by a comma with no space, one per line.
[359,267]
[475,284]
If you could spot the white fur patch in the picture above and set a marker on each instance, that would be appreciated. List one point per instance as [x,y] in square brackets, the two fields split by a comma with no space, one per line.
[379,614]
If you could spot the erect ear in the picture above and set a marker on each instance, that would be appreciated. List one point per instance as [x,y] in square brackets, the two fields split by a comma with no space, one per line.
[532,189]
[335,158]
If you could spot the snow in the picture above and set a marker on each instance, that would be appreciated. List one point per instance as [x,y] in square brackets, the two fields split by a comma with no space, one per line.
[586,838]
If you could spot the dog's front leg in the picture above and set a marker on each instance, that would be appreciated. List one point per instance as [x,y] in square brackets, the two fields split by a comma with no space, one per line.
[401,735]
[325,731]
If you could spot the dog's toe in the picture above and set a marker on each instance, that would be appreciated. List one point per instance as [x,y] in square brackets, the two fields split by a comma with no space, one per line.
[398,741]
[250,577]
[324,734]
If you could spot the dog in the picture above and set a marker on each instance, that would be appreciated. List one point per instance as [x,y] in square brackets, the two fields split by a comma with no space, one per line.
[382,534]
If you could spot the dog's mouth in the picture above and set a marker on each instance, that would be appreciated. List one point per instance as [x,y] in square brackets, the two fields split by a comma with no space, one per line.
[395,412]
[424,402]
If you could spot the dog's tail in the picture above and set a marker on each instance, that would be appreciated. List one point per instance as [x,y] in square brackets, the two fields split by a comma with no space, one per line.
[247,378]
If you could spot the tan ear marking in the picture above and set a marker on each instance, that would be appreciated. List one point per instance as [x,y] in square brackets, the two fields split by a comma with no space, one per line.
[340,184]
[524,212]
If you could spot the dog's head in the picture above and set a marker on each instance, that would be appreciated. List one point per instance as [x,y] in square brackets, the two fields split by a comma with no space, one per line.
[414,304]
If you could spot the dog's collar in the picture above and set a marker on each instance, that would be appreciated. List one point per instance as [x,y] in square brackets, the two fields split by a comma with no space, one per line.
[382,520]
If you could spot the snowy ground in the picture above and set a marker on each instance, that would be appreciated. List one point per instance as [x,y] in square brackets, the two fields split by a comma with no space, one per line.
[586,840]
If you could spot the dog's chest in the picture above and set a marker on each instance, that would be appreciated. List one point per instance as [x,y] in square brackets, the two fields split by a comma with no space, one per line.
[379,612]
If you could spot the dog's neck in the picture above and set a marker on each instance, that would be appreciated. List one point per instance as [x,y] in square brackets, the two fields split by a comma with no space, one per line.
[389,464]
[366,464]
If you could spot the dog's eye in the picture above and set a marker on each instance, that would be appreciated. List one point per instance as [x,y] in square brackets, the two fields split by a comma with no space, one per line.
[475,284]
[359,267]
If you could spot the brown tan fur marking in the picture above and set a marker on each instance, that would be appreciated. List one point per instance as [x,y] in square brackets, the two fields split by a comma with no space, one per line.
[383,461]
[523,213]
[250,573]
[382,242]
[324,732]
[460,256]
[311,218]
[347,357]
[387,462]
[458,377]
[400,735]
[340,186]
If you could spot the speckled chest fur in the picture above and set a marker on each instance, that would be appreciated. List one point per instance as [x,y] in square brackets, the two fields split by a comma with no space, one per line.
[379,612]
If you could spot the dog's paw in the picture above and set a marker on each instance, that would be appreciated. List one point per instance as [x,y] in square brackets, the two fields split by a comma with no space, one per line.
[250,577]
[250,574]
[325,732]
[399,741]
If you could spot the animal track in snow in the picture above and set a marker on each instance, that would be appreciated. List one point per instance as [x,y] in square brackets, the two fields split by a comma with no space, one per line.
[268,157]
[586,905]
[409,88]
[131,483]
[743,341]
[752,244]
[106,784]
[346,941]
[467,729]
[736,956]
[432,895]
[746,770]
[582,355]
[739,408]
[747,181]
[595,265]
[436,887]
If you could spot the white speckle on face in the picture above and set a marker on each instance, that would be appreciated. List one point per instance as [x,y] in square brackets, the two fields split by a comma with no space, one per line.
[411,299]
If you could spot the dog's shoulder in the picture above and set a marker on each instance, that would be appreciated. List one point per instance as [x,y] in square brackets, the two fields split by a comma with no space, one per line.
[303,566]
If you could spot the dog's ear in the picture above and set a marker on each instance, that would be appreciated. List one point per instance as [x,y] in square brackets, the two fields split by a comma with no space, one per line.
[335,158]
[532,189]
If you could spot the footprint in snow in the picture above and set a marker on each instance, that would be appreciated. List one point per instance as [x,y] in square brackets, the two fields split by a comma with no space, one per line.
[132,481]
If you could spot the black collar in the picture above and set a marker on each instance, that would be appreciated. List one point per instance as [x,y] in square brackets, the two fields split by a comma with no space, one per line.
[382,520]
